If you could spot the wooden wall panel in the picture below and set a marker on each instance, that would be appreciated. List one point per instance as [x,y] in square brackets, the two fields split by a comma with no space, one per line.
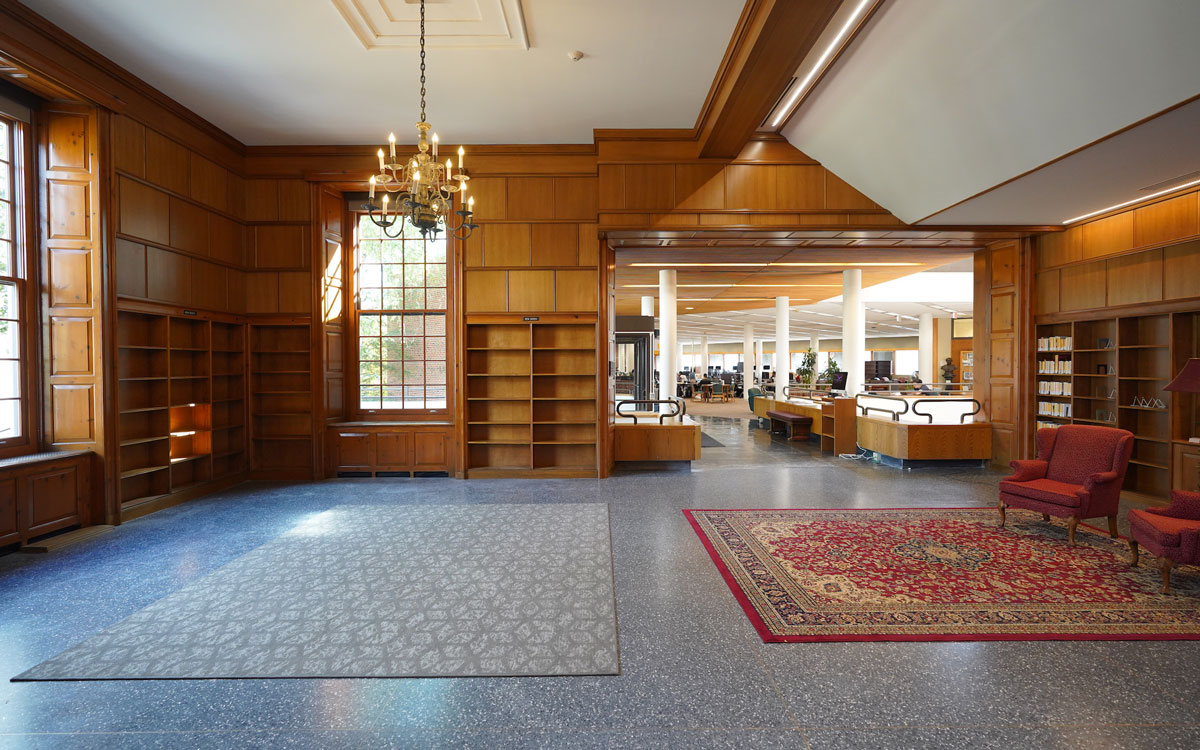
[295,292]
[189,227]
[129,265]
[168,276]
[611,186]
[700,186]
[530,198]
[129,145]
[576,291]
[1060,248]
[575,198]
[800,186]
[144,212]
[295,200]
[1046,291]
[1181,269]
[750,186]
[1083,286]
[490,194]
[1167,220]
[281,246]
[262,292]
[839,194]
[209,182]
[649,186]
[554,245]
[167,163]
[226,240]
[485,291]
[72,277]
[530,291]
[507,245]
[1107,236]
[1135,278]
[262,200]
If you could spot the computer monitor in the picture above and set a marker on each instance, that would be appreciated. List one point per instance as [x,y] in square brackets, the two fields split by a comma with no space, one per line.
[839,381]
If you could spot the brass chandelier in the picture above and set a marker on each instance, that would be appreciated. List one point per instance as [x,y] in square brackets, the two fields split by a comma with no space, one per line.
[424,188]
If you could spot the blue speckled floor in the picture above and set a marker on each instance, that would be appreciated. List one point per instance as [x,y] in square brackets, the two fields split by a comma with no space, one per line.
[694,673]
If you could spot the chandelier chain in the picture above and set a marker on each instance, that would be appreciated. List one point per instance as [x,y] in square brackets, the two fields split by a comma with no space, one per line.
[422,60]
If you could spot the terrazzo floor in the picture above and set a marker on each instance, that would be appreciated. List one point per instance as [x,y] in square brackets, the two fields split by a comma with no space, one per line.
[693,671]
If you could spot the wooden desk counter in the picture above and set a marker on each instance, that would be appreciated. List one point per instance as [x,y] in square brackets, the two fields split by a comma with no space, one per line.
[925,442]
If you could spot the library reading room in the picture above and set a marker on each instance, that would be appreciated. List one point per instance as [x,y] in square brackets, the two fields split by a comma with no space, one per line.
[813,374]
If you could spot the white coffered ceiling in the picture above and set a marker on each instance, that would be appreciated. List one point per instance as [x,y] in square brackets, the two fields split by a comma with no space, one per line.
[936,102]
[277,72]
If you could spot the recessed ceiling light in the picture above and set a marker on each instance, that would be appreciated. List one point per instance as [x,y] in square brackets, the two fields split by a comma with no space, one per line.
[819,66]
[1131,202]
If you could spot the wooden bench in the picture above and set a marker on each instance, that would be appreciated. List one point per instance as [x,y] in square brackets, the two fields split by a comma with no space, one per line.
[798,427]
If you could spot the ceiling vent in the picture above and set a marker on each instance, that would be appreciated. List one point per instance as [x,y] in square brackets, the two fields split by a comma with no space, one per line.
[1166,185]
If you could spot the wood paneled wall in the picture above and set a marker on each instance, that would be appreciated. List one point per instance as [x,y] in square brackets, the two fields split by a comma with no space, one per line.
[1003,345]
[770,183]
[279,247]
[1144,256]
[72,275]
[179,237]
[332,302]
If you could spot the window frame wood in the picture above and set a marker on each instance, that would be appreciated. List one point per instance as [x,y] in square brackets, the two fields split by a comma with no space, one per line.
[353,371]
[24,240]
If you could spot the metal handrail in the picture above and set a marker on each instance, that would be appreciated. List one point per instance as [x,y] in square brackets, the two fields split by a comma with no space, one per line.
[934,387]
[787,390]
[895,414]
[962,418]
[679,404]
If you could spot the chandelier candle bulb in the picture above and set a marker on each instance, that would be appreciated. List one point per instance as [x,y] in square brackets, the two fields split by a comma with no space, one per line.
[392,144]
[372,194]
[435,145]
[380,154]
[460,156]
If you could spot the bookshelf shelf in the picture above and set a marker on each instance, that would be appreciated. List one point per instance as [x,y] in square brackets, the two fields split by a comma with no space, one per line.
[531,398]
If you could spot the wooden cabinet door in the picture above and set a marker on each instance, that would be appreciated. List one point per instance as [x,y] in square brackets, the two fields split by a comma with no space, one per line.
[354,450]
[431,451]
[10,530]
[394,450]
[51,499]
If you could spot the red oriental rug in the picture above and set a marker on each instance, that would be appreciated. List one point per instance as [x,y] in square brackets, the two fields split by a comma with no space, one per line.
[939,575]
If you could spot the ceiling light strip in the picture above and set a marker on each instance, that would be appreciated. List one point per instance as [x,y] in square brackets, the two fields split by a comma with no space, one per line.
[809,264]
[820,65]
[1131,202]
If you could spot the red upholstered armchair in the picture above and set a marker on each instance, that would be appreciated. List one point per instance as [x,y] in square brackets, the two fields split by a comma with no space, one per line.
[1171,533]
[1077,474]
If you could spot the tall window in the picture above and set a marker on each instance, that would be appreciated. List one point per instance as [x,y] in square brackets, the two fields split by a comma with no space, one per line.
[400,297]
[12,290]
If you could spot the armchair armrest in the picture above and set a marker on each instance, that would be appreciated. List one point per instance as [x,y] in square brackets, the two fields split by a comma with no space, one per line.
[1026,470]
[1098,479]
[1184,504]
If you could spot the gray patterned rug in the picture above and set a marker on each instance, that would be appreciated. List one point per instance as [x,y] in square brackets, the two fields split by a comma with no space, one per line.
[369,591]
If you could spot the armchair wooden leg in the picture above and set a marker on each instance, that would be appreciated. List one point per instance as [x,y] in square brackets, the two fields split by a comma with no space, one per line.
[1112,527]
[1072,522]
[1133,547]
[1000,507]
[1045,516]
[1165,564]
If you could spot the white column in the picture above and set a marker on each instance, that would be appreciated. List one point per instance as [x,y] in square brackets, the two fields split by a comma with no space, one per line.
[648,305]
[926,369]
[854,330]
[783,333]
[678,357]
[758,358]
[747,359]
[668,364]
[704,353]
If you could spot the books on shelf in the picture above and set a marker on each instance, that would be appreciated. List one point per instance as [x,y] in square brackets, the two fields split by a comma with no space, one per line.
[1054,344]
[1051,425]
[1056,366]
[1054,388]
[1054,409]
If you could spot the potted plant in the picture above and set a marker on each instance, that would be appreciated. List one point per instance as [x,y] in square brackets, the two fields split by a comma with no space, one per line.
[806,373]
[831,369]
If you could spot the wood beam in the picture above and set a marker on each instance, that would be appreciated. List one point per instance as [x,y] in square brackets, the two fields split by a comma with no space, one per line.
[772,38]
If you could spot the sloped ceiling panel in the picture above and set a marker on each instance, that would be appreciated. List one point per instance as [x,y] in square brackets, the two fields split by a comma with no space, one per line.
[938,101]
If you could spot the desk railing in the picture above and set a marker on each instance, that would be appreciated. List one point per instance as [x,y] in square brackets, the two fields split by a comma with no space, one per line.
[679,410]
[911,404]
